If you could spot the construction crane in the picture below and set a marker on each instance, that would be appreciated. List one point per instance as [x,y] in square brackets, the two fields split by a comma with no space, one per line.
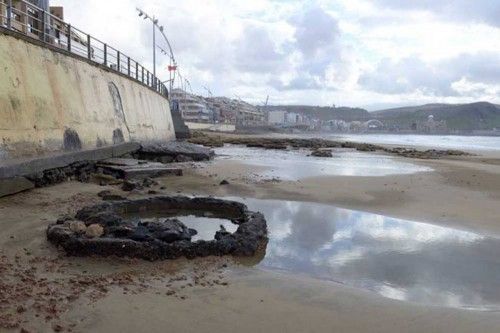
[208,91]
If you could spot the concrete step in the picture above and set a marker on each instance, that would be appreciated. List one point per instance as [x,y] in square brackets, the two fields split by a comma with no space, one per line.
[14,185]
[132,168]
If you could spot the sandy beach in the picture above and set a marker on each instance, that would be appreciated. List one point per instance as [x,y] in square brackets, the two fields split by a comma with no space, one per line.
[57,293]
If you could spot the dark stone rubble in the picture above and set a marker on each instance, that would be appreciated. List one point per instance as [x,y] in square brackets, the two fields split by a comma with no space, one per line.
[161,239]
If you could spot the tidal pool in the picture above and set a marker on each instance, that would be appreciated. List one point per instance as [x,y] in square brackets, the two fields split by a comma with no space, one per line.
[398,259]
[206,226]
[295,164]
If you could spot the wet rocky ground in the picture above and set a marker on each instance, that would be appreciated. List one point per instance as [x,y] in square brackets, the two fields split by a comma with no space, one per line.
[103,230]
[148,161]
[214,140]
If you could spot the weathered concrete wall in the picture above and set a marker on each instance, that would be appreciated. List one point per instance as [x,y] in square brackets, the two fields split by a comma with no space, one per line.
[52,102]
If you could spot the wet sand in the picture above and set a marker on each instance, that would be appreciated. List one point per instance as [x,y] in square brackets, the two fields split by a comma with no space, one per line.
[117,295]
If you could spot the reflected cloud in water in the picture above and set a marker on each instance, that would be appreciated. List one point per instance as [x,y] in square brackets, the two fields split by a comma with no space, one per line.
[396,258]
[295,164]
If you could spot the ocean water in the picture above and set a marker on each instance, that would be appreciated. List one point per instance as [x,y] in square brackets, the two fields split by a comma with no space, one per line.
[430,141]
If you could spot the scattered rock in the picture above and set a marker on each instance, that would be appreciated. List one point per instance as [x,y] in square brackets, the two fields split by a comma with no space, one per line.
[322,153]
[94,231]
[57,328]
[64,219]
[318,144]
[104,193]
[148,182]
[113,197]
[130,185]
[183,159]
[161,239]
[77,227]
[80,171]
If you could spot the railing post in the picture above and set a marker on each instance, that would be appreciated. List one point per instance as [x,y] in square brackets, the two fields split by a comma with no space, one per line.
[42,29]
[9,14]
[105,54]
[128,66]
[89,48]
[69,37]
[142,74]
[136,71]
[118,65]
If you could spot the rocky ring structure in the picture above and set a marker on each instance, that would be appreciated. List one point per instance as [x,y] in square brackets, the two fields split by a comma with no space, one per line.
[104,230]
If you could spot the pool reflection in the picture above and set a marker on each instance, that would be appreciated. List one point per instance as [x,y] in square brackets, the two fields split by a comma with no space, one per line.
[396,258]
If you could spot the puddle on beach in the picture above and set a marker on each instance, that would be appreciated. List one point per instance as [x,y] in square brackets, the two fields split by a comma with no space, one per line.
[398,259]
[295,164]
[206,227]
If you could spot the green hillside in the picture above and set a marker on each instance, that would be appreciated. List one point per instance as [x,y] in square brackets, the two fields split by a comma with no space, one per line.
[326,112]
[474,116]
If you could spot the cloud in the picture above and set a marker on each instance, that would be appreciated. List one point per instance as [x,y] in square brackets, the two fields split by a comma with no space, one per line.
[313,52]
[316,32]
[411,74]
[256,52]
[317,49]
[483,11]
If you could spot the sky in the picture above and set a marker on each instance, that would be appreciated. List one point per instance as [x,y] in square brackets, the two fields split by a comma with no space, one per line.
[373,54]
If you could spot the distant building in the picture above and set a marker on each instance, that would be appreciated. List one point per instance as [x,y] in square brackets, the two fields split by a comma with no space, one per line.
[276,117]
[232,111]
[247,114]
[192,108]
[223,109]
[29,19]
[432,126]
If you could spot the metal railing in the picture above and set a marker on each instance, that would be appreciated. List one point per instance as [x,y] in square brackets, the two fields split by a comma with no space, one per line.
[25,18]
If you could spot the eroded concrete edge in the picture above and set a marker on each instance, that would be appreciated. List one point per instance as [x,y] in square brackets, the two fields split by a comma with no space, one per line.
[12,178]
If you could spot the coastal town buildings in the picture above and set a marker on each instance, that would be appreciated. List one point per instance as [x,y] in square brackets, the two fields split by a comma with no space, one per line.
[221,110]
[282,118]
[431,126]
[27,17]
[248,114]
[193,108]
[276,117]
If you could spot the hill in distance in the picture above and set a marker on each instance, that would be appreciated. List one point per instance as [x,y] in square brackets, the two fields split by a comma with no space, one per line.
[326,112]
[462,117]
[473,116]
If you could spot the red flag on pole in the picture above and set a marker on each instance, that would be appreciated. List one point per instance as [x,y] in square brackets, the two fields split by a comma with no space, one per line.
[172,68]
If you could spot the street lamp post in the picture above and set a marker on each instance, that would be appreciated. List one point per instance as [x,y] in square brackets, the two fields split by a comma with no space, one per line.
[173,64]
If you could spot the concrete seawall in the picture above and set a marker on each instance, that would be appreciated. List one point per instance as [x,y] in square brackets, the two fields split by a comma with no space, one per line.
[53,102]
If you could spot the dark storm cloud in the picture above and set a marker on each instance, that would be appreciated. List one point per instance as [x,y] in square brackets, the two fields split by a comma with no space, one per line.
[411,74]
[484,11]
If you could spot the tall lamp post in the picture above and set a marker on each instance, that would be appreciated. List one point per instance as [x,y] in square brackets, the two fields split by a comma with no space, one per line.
[173,64]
